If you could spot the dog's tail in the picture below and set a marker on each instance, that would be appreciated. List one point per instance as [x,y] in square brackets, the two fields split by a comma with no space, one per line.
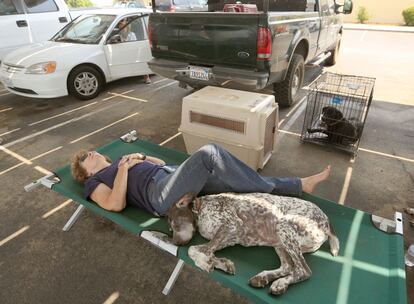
[333,241]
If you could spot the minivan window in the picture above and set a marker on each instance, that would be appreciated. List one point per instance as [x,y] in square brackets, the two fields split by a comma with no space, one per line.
[7,8]
[41,6]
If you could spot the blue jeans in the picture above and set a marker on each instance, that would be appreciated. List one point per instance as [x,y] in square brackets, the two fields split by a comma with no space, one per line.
[213,170]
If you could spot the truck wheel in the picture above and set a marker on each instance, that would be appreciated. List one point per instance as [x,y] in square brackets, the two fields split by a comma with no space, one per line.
[85,82]
[334,53]
[286,92]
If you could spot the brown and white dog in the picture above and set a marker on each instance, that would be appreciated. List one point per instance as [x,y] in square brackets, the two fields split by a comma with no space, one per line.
[291,225]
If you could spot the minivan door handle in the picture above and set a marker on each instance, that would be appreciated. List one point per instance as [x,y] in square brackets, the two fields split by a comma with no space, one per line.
[21,23]
[63,19]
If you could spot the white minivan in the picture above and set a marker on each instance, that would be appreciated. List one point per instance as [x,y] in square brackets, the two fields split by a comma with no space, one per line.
[28,21]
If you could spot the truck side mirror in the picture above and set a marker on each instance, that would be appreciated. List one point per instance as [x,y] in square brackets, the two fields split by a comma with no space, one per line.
[348,5]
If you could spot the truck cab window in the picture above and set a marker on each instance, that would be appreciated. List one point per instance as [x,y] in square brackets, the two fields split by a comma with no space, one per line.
[40,6]
[7,8]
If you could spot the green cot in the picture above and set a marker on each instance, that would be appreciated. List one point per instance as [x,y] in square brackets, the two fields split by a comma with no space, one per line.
[368,269]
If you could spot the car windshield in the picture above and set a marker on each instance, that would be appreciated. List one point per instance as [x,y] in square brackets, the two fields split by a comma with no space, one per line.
[87,29]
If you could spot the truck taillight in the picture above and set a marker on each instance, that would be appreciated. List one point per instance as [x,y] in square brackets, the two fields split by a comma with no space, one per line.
[264,43]
[150,34]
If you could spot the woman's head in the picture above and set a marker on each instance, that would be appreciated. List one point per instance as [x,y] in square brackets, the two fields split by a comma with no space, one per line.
[87,163]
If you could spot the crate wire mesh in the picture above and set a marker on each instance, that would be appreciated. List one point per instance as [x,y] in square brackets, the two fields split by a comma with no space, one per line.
[336,110]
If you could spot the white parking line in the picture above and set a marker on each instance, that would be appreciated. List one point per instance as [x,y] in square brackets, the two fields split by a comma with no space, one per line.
[46,153]
[164,86]
[361,149]
[5,94]
[14,235]
[36,157]
[112,298]
[171,138]
[387,155]
[5,110]
[290,133]
[8,132]
[64,113]
[56,126]
[345,187]
[292,120]
[128,97]
[363,36]
[295,107]
[162,80]
[110,97]
[106,127]
[49,213]
[42,170]
[15,155]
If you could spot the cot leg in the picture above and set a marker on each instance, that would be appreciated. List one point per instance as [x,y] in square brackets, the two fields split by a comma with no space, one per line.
[73,218]
[173,277]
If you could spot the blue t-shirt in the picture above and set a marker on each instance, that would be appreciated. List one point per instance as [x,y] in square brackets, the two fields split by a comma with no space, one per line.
[138,178]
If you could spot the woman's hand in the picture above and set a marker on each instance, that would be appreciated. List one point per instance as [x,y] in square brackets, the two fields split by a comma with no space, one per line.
[128,161]
[139,156]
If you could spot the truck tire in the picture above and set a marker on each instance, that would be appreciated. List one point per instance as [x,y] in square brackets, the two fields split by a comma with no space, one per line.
[286,92]
[85,82]
[331,60]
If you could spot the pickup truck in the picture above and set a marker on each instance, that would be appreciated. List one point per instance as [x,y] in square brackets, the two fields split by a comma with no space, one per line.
[253,44]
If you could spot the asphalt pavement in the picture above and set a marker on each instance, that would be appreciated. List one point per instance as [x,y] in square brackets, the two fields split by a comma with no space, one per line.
[98,262]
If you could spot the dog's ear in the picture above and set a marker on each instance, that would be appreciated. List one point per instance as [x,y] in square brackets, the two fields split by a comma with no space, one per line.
[185,200]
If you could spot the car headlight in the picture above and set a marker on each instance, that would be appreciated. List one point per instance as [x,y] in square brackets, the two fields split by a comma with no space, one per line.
[42,68]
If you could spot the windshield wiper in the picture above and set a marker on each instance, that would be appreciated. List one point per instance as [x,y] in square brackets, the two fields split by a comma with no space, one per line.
[63,39]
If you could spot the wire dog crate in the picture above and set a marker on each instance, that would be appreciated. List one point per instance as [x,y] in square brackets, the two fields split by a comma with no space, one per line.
[336,110]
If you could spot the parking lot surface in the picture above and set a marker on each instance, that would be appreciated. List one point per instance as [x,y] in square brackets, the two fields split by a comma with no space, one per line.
[98,262]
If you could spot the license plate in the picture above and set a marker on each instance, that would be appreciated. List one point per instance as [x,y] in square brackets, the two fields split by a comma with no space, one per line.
[7,82]
[200,73]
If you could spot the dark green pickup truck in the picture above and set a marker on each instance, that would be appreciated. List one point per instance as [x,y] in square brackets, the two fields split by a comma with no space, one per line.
[253,44]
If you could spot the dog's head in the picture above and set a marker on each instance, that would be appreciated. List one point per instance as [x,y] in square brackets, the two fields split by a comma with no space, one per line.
[182,220]
[331,115]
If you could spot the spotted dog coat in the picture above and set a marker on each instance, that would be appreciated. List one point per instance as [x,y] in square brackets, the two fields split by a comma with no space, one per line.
[291,225]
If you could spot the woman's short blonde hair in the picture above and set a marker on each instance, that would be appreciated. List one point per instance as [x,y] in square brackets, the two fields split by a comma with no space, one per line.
[79,173]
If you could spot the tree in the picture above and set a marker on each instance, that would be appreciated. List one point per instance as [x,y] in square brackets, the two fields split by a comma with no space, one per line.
[79,3]
[362,14]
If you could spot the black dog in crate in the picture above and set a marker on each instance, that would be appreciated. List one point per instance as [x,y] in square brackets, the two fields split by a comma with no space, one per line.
[338,129]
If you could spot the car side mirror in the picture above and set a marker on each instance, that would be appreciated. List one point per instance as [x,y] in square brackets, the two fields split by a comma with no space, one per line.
[114,39]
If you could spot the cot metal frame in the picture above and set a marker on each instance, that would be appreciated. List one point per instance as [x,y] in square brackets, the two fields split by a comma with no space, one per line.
[158,239]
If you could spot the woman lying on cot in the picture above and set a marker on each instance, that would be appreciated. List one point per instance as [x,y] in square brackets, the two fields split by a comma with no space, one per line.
[147,183]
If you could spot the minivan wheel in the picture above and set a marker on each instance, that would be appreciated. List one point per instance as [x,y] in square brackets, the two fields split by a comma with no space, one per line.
[85,82]
[286,92]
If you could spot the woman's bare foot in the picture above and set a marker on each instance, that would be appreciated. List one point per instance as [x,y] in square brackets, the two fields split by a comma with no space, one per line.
[309,183]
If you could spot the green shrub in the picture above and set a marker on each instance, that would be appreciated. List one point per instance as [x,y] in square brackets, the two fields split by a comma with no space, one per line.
[79,3]
[408,15]
[362,14]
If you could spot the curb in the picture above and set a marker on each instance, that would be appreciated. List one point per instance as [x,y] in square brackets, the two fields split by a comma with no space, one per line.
[395,29]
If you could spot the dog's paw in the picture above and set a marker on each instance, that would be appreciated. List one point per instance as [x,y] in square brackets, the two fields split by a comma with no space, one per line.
[201,260]
[225,264]
[279,286]
[258,281]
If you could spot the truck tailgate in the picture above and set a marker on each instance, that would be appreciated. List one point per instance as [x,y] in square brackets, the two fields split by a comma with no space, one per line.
[205,38]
